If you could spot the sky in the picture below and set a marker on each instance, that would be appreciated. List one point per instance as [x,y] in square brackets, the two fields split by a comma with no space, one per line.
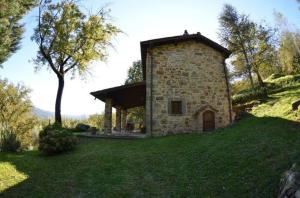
[139,20]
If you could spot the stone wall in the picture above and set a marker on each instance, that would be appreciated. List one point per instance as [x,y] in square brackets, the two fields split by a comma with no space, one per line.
[193,73]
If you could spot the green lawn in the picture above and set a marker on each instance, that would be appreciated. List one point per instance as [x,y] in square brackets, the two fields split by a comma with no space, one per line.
[244,160]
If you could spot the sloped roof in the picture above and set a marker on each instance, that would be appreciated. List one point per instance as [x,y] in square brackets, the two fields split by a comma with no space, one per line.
[176,39]
[126,96]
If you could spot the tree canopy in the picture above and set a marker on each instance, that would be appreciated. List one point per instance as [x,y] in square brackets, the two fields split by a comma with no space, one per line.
[10,27]
[135,73]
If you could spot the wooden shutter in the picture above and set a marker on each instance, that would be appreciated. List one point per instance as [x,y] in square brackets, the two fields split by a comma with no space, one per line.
[176,107]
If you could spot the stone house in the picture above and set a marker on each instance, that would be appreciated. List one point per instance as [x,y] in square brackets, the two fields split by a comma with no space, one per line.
[185,87]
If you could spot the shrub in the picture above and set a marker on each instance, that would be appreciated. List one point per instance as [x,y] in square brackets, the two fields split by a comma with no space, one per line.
[82,127]
[9,142]
[55,140]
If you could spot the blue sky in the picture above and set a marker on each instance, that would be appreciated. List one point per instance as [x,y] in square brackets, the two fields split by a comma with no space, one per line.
[139,20]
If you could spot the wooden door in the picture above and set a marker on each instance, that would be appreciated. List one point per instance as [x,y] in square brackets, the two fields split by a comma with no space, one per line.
[208,121]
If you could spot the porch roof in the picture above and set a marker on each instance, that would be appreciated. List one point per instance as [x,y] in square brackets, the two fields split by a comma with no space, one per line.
[125,96]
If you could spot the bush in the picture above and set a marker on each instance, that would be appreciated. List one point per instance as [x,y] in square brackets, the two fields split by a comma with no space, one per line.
[9,142]
[82,127]
[55,140]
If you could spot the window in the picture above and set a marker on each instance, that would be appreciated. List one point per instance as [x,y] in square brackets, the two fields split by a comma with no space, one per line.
[176,107]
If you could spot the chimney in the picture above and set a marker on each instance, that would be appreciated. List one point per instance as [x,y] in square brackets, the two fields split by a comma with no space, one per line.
[185,33]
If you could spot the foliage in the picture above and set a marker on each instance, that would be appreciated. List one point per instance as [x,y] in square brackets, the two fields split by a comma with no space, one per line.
[273,84]
[135,73]
[279,104]
[69,40]
[289,53]
[136,115]
[9,142]
[239,85]
[273,77]
[96,120]
[284,79]
[82,127]
[55,140]
[249,95]
[10,28]
[252,44]
[16,112]
[71,123]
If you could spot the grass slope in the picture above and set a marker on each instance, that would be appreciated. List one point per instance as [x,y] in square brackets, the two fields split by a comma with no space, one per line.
[245,160]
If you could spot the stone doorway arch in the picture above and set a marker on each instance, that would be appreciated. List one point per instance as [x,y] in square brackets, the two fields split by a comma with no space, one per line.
[208,121]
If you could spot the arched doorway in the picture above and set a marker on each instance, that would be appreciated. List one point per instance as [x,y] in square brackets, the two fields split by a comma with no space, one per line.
[208,120]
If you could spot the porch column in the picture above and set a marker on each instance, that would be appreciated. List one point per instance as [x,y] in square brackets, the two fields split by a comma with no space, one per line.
[123,117]
[107,115]
[118,119]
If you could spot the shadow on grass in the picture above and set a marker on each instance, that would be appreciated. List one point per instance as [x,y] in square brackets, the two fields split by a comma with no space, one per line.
[286,88]
[244,160]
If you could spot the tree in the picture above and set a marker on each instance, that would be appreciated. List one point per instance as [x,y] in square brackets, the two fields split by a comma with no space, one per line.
[289,50]
[96,120]
[262,54]
[235,31]
[16,116]
[289,55]
[252,44]
[135,74]
[10,28]
[69,40]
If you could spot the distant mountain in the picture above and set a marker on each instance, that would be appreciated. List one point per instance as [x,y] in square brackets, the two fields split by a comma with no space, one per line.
[42,113]
[48,114]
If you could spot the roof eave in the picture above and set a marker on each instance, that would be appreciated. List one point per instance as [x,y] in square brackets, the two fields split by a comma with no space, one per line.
[175,39]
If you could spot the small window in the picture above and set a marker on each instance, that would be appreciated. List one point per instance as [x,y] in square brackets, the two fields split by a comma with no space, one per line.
[176,107]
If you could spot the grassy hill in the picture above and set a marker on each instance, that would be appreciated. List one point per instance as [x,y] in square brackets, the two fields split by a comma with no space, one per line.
[244,160]
[279,103]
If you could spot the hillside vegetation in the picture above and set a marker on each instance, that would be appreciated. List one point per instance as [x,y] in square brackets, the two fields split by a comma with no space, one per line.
[244,160]
[287,90]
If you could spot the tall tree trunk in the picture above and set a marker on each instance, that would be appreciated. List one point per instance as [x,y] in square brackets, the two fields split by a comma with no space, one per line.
[249,67]
[259,79]
[61,83]
[261,83]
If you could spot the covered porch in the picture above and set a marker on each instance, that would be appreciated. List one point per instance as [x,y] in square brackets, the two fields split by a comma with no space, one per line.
[121,98]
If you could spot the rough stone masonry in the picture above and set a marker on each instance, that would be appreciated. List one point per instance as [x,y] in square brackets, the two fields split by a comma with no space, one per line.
[190,72]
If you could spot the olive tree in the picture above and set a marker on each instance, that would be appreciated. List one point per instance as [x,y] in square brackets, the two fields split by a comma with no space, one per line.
[69,40]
